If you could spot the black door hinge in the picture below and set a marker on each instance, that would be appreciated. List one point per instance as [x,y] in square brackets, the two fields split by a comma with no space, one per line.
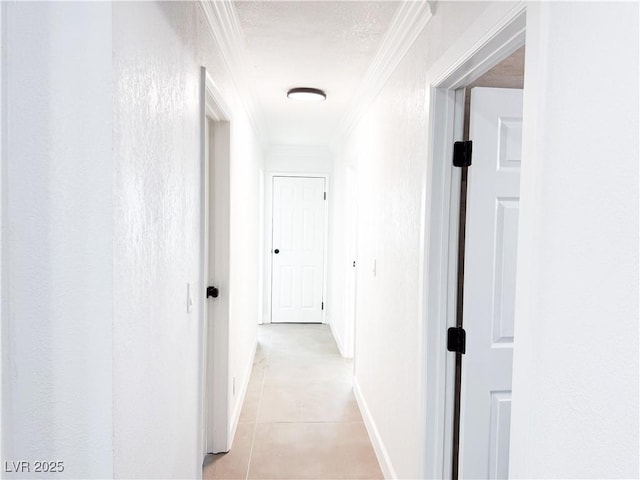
[462,154]
[322,305]
[325,195]
[212,292]
[456,340]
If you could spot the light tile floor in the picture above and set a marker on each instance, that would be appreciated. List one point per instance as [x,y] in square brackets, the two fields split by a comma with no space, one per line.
[300,419]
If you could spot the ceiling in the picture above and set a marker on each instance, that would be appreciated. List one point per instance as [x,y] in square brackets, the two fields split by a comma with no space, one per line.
[323,44]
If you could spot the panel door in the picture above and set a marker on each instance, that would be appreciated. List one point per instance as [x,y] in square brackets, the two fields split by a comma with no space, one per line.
[489,281]
[297,249]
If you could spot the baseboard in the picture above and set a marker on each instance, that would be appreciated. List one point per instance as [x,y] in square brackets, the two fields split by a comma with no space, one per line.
[338,341]
[376,440]
[235,418]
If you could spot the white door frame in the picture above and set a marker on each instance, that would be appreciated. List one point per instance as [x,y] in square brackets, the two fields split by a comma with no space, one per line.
[268,243]
[351,270]
[483,46]
[216,339]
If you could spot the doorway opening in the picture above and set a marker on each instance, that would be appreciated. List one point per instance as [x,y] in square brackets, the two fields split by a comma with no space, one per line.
[495,62]
[298,246]
[487,246]
[217,427]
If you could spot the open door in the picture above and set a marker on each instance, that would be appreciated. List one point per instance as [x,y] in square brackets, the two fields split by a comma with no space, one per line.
[489,281]
[214,294]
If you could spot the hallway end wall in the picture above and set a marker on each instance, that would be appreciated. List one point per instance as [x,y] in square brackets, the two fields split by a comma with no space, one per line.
[292,160]
[313,160]
[159,49]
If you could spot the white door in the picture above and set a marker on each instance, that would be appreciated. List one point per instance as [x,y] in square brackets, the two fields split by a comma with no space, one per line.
[297,249]
[215,304]
[209,258]
[216,141]
[489,281]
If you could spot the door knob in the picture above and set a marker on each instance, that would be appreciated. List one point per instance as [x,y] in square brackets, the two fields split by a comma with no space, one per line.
[276,251]
[212,292]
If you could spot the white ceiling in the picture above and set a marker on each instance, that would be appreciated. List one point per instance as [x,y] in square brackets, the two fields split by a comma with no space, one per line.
[323,44]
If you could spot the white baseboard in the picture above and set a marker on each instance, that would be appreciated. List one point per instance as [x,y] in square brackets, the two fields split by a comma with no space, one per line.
[376,440]
[235,418]
[338,341]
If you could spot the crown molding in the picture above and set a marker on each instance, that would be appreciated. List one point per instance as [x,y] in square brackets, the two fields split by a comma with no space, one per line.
[409,21]
[225,29]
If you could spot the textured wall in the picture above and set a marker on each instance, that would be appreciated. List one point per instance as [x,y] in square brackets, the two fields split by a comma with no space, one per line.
[575,388]
[390,165]
[158,52]
[101,213]
[298,159]
[576,356]
[391,147]
[57,237]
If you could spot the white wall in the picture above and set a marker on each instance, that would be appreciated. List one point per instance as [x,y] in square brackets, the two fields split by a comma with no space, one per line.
[391,147]
[158,51]
[576,367]
[58,236]
[101,218]
[298,159]
[575,389]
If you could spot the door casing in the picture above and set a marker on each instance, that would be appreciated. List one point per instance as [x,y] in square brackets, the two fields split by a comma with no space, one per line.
[3,217]
[351,281]
[439,230]
[268,243]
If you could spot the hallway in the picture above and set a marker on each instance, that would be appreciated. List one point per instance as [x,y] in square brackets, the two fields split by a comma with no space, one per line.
[300,419]
[144,148]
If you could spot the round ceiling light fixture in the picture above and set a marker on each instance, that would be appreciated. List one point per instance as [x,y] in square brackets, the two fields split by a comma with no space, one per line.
[306,94]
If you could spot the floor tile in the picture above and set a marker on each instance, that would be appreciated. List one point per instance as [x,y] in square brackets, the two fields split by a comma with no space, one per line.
[249,410]
[307,401]
[313,451]
[232,465]
[299,419]
[327,367]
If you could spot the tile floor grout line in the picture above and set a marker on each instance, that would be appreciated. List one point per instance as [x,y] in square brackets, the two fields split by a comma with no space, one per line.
[289,422]
[299,437]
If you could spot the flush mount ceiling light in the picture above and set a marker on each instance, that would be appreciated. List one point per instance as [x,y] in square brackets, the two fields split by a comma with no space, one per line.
[307,94]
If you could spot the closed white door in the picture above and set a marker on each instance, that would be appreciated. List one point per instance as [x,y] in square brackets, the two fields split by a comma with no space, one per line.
[489,281]
[297,249]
